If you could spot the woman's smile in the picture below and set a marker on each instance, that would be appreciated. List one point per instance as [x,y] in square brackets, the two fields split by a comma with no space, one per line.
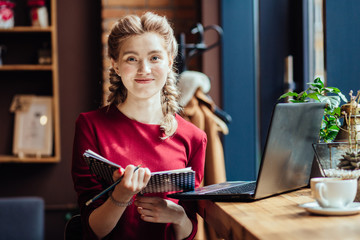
[144,80]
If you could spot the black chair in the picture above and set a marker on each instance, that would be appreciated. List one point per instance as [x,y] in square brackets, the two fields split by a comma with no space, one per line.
[73,228]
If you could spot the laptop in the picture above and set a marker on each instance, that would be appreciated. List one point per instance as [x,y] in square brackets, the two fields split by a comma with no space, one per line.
[286,162]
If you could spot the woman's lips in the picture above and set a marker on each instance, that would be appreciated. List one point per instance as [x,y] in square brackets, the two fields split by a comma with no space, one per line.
[144,81]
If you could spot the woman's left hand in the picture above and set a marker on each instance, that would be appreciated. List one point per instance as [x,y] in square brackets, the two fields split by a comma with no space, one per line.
[158,210]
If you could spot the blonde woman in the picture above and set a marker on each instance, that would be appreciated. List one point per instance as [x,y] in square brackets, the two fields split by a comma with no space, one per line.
[139,126]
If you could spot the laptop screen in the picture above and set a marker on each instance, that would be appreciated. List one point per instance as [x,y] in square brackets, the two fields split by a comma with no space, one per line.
[288,154]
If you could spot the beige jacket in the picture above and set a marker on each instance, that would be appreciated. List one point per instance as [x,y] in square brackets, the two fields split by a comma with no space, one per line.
[199,111]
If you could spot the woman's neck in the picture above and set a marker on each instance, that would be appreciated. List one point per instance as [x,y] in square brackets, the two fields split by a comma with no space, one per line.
[149,112]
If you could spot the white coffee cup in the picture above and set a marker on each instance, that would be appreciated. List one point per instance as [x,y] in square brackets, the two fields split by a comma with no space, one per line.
[315,180]
[335,193]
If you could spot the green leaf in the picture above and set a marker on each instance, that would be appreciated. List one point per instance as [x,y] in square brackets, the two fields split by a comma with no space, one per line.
[313,96]
[331,136]
[319,83]
[288,94]
[337,111]
[331,118]
[322,134]
[333,101]
[298,101]
[317,80]
[318,86]
[333,128]
[302,96]
[332,89]
[342,96]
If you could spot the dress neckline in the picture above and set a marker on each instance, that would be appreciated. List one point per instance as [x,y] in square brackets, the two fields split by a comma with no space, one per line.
[115,109]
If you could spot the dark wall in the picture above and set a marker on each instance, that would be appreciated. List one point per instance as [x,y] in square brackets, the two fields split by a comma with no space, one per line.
[80,72]
[342,45]
[240,84]
[280,36]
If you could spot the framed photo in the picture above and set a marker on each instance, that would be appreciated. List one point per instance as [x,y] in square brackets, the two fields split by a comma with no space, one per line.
[33,129]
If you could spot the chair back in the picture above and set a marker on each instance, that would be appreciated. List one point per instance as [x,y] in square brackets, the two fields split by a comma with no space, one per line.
[22,218]
[73,228]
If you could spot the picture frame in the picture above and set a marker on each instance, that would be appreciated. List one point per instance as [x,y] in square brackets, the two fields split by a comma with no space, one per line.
[33,126]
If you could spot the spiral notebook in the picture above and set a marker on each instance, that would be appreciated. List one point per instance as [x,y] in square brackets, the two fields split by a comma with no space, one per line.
[164,181]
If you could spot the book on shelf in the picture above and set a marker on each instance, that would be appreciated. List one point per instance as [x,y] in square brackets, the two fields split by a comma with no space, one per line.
[164,181]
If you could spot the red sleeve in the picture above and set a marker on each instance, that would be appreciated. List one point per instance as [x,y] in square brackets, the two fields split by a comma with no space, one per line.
[85,184]
[197,162]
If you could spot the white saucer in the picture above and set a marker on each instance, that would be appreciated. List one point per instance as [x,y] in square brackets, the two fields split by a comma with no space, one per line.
[313,207]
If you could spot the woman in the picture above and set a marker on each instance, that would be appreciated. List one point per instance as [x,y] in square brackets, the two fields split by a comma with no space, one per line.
[139,126]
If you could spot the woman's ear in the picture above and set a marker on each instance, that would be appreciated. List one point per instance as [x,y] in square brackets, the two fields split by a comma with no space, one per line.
[171,62]
[115,66]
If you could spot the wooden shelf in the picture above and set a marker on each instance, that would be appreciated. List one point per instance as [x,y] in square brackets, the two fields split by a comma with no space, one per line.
[22,46]
[15,159]
[26,67]
[26,29]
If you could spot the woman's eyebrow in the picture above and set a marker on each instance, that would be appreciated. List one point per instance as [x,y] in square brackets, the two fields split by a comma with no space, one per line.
[136,53]
[155,51]
[130,52]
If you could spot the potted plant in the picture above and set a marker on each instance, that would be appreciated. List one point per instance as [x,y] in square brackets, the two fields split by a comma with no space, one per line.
[337,157]
[319,93]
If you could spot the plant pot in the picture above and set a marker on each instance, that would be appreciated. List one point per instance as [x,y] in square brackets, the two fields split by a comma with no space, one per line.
[332,157]
[351,125]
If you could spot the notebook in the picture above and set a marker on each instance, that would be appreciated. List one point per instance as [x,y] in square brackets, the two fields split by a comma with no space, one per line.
[286,161]
[164,181]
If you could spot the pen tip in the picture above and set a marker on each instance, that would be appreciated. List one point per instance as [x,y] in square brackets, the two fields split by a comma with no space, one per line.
[88,202]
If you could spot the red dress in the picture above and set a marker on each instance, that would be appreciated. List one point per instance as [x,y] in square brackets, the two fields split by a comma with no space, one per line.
[124,141]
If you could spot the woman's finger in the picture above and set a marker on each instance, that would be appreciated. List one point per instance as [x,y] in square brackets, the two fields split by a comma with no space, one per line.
[128,174]
[118,173]
[149,218]
[148,214]
[144,211]
[141,176]
[147,176]
[144,205]
[149,200]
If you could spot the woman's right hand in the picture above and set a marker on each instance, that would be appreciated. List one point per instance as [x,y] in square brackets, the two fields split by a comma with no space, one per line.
[103,219]
[132,182]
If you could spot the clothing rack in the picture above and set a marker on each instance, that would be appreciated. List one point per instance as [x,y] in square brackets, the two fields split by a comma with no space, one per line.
[189,50]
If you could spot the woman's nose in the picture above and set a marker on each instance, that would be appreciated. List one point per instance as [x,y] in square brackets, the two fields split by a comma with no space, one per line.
[144,67]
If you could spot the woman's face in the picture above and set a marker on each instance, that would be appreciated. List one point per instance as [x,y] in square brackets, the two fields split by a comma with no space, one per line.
[143,65]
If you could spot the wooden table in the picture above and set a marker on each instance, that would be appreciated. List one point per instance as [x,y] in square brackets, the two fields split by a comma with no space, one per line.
[278,217]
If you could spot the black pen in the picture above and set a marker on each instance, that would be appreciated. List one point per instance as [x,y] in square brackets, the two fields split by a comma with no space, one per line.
[109,188]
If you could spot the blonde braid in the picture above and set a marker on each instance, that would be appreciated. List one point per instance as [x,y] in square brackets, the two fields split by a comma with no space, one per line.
[170,105]
[118,92]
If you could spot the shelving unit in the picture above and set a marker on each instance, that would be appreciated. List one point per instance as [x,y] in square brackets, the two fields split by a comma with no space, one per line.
[27,29]
[26,67]
[21,74]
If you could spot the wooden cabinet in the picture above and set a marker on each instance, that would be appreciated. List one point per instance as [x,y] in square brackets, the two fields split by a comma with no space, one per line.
[21,73]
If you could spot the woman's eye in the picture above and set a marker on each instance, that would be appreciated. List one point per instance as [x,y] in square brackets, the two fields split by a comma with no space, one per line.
[155,58]
[131,59]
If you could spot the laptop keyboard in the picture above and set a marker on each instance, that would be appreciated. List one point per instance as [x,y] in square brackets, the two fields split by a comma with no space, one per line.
[243,188]
[227,188]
